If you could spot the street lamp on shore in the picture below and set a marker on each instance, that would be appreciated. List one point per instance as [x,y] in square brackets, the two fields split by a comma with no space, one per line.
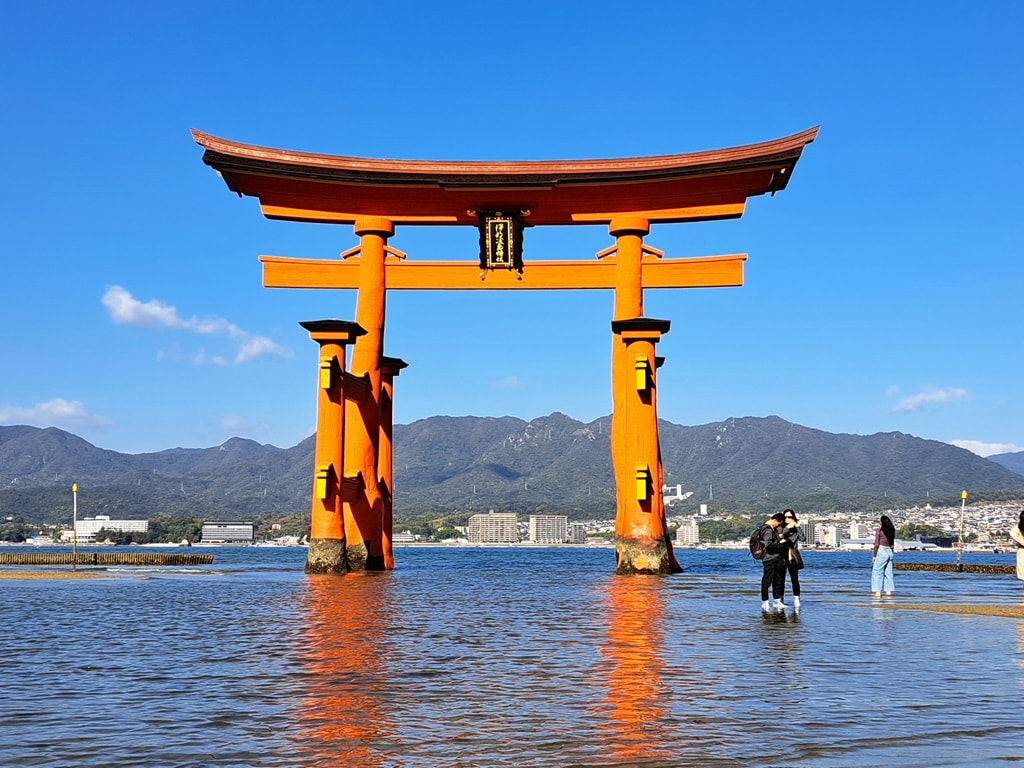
[74,532]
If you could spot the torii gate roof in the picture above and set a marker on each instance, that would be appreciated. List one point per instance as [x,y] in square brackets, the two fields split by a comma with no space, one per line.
[302,186]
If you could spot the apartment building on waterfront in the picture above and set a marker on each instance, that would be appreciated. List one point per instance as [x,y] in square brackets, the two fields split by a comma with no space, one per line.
[859,530]
[577,533]
[825,535]
[549,529]
[688,533]
[493,528]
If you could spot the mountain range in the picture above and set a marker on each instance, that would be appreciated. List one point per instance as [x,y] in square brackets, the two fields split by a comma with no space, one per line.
[447,467]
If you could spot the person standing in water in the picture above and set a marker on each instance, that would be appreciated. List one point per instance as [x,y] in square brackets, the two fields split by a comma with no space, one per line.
[773,576]
[792,535]
[1017,534]
[881,557]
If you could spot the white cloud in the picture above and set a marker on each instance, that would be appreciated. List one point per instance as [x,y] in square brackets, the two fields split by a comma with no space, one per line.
[255,347]
[201,358]
[986,449]
[125,309]
[63,414]
[915,403]
[234,423]
[509,382]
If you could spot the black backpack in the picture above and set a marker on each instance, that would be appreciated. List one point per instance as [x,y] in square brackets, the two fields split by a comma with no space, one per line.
[756,545]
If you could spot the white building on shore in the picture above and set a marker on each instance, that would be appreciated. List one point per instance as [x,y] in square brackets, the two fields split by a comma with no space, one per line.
[549,529]
[86,529]
[688,533]
[493,528]
[577,533]
[228,533]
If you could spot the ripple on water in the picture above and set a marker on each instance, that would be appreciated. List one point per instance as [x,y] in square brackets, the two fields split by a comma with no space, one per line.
[507,657]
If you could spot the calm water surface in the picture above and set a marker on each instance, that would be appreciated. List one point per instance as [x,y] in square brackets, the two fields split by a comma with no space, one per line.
[507,657]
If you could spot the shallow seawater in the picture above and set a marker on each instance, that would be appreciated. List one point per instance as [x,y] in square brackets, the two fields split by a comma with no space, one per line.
[507,657]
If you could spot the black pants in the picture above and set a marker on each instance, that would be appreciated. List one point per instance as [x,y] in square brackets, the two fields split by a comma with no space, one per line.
[794,578]
[774,576]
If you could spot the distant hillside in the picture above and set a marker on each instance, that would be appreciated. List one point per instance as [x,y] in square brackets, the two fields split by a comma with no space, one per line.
[457,465]
[740,464]
[1012,461]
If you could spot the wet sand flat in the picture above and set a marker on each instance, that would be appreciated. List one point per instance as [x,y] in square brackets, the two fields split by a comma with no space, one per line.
[54,575]
[1010,611]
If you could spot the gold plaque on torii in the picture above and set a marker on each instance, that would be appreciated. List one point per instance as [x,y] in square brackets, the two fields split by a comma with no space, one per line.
[501,244]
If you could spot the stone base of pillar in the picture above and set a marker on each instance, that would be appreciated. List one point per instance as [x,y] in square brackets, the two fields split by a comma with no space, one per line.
[326,556]
[359,558]
[637,556]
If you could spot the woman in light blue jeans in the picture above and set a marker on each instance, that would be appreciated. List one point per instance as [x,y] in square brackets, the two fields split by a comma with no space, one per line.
[881,557]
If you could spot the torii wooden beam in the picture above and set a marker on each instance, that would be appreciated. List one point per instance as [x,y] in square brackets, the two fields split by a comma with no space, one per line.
[627,195]
[701,272]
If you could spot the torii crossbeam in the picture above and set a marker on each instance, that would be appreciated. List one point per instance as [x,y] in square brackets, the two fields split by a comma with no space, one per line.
[351,515]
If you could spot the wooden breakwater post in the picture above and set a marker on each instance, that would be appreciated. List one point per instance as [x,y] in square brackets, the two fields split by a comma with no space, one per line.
[103,558]
[955,568]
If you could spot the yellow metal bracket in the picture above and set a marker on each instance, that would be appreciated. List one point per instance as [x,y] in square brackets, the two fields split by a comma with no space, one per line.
[324,481]
[330,370]
[643,482]
[643,373]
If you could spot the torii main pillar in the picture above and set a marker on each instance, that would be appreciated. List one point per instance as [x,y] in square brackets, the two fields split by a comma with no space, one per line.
[642,542]
[364,515]
[500,198]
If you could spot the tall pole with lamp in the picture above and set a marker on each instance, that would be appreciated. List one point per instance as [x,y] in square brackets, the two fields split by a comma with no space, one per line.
[960,542]
[74,533]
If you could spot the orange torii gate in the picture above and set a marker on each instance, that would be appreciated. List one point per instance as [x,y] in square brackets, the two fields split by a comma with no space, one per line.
[351,511]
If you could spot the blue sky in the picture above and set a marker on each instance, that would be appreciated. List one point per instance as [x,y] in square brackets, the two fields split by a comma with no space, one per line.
[882,289]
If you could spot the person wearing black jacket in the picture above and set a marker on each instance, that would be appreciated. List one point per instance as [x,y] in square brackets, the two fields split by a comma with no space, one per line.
[773,561]
[792,535]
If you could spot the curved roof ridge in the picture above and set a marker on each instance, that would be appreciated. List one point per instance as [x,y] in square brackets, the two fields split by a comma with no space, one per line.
[728,155]
[304,186]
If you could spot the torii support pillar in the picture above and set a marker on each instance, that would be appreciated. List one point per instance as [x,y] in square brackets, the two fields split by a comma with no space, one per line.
[642,543]
[327,530]
[390,368]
